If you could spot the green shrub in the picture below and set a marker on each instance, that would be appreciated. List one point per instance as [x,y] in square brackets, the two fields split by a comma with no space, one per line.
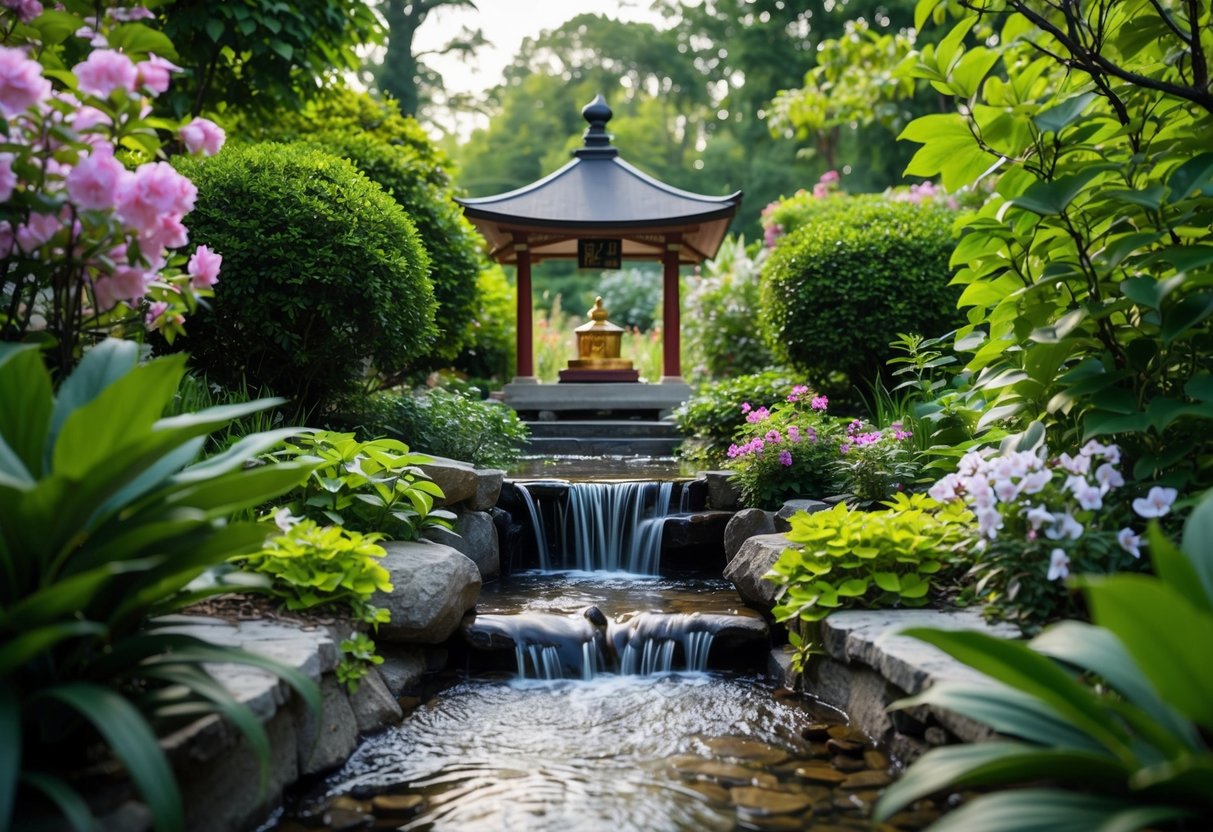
[453,425]
[852,558]
[875,464]
[1107,724]
[631,296]
[449,239]
[488,357]
[718,320]
[106,520]
[803,209]
[710,420]
[837,291]
[369,487]
[322,272]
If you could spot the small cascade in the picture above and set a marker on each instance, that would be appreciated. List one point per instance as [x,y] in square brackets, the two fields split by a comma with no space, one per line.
[698,646]
[541,542]
[545,662]
[655,656]
[604,526]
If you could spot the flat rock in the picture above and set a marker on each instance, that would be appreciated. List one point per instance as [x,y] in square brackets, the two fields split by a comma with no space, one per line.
[702,529]
[768,801]
[433,586]
[474,536]
[462,482]
[402,668]
[754,560]
[741,748]
[326,745]
[820,773]
[867,780]
[746,524]
[726,774]
[795,507]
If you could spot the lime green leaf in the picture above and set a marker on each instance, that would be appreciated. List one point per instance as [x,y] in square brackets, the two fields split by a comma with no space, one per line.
[887,581]
[854,588]
[1051,198]
[1196,173]
[1198,543]
[1055,119]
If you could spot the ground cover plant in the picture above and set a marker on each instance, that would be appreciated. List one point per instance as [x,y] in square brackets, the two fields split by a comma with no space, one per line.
[107,520]
[1114,716]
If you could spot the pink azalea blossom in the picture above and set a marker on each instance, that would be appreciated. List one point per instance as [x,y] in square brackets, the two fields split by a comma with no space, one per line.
[104,71]
[154,314]
[793,433]
[125,284]
[203,136]
[203,268]
[95,181]
[8,178]
[155,189]
[21,82]
[8,239]
[1059,565]
[35,232]
[167,232]
[154,74]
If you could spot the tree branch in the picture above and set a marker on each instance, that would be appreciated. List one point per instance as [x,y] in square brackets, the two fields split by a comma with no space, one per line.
[1200,66]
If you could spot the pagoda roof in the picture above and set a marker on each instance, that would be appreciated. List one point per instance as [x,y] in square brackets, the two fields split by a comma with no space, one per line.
[598,194]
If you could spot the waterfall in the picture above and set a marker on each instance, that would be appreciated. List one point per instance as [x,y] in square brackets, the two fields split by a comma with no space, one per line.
[698,645]
[613,526]
[541,542]
[545,661]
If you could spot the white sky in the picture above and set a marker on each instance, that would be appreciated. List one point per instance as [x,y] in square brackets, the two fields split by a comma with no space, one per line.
[505,24]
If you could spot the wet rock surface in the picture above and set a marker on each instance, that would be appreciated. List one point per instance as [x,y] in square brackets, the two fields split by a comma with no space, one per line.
[433,586]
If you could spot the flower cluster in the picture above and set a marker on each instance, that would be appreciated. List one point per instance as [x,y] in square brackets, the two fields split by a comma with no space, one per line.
[874,464]
[79,215]
[1043,518]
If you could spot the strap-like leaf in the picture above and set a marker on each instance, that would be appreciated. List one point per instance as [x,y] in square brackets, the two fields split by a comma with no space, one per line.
[1033,810]
[25,405]
[20,649]
[132,741]
[66,799]
[10,751]
[304,686]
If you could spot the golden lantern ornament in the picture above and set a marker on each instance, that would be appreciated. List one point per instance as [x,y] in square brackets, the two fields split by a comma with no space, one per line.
[598,346]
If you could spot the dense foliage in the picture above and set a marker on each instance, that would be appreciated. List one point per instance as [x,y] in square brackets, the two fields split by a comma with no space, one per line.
[1131,752]
[450,424]
[107,519]
[870,270]
[488,357]
[631,296]
[1086,275]
[852,558]
[709,421]
[323,272]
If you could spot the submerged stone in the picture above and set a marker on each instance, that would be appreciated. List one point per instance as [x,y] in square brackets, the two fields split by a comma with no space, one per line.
[746,749]
[768,801]
[727,774]
[396,805]
[867,780]
[821,773]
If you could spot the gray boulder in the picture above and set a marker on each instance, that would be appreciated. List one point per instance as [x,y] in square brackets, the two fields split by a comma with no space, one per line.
[474,536]
[744,525]
[793,507]
[433,586]
[722,493]
[373,705]
[755,558]
[462,482]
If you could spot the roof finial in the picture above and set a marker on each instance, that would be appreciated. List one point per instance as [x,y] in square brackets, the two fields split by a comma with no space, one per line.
[597,139]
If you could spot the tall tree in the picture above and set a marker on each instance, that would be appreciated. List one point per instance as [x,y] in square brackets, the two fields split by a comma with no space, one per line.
[403,73]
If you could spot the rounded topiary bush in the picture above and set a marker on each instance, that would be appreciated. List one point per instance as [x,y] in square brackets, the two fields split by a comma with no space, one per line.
[449,239]
[322,273]
[838,290]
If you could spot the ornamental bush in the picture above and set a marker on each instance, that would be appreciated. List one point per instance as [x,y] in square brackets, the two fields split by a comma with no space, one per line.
[488,356]
[323,274]
[449,239]
[712,418]
[838,290]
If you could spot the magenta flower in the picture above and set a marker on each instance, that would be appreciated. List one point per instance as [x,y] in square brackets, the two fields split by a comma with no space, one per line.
[154,74]
[797,391]
[759,415]
[95,181]
[104,71]
[745,408]
[819,403]
[203,268]
[785,458]
[774,437]
[21,82]
[793,433]
[26,10]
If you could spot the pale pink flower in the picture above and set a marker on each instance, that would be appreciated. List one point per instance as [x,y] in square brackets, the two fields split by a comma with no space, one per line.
[154,74]
[8,178]
[1157,503]
[154,314]
[167,232]
[1038,516]
[989,521]
[26,10]
[945,489]
[1005,490]
[127,283]
[154,190]
[128,15]
[1064,525]
[21,82]
[1059,565]
[37,230]
[1078,465]
[1090,497]
[203,136]
[7,239]
[104,71]
[95,181]
[203,267]
[1129,541]
[1034,482]
[1108,477]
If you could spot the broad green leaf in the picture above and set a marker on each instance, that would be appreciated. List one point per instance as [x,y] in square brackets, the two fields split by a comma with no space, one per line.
[10,751]
[854,588]
[1167,637]
[100,367]
[25,406]
[1051,198]
[56,26]
[1035,810]
[1016,665]
[887,581]
[1097,650]
[1184,258]
[235,456]
[1196,173]
[948,149]
[1200,387]
[1055,119]
[139,39]
[1198,542]
[996,763]
[1183,316]
[1175,568]
[13,473]
[307,688]
[132,741]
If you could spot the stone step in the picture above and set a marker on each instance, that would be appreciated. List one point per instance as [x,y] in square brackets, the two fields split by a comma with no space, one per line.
[601,446]
[572,429]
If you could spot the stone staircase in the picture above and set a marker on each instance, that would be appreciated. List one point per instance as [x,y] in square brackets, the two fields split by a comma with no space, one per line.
[567,437]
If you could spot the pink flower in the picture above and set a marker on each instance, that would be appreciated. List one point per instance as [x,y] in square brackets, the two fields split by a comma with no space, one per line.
[26,10]
[8,178]
[7,238]
[745,408]
[154,74]
[104,71]
[203,268]
[155,189]
[126,283]
[793,433]
[829,176]
[131,14]
[819,403]
[1130,542]
[35,232]
[756,416]
[797,391]
[203,136]
[95,181]
[21,82]
[154,313]
[785,457]
[774,436]
[167,232]
[1157,503]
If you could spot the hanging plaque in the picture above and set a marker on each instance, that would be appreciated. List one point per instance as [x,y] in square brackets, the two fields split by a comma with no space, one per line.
[599,254]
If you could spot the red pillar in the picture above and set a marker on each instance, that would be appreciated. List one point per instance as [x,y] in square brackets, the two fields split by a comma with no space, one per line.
[671,322]
[525,342]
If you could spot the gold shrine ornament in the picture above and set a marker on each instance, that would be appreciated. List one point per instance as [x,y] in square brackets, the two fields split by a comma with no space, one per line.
[599,342]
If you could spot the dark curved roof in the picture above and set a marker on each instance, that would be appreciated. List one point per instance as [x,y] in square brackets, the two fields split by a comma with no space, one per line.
[598,194]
